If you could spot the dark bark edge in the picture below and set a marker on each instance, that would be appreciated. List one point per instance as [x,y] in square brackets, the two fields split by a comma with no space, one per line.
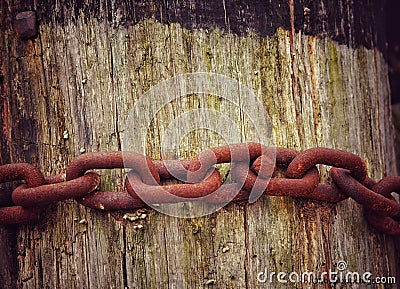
[354,23]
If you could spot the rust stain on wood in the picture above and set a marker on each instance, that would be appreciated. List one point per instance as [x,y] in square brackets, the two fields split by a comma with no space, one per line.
[6,117]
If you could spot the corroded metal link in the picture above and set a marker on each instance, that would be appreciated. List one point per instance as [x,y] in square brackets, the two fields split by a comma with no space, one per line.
[55,179]
[112,160]
[322,192]
[329,193]
[17,214]
[227,193]
[22,171]
[387,185]
[283,157]
[332,157]
[168,169]
[111,201]
[363,195]
[50,193]
[5,198]
[383,223]
[33,178]
[277,186]
[202,182]
[169,193]
[368,182]
[232,153]
[124,201]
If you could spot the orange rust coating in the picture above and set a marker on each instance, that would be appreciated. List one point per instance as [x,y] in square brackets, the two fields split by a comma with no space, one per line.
[332,157]
[363,195]
[169,193]
[50,193]
[111,160]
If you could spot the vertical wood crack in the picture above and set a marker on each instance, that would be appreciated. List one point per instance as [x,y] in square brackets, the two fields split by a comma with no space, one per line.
[247,245]
[295,93]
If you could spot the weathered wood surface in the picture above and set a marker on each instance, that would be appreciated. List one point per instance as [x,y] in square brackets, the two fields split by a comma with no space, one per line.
[84,76]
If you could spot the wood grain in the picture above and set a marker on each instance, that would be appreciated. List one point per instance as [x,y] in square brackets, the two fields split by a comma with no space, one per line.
[73,88]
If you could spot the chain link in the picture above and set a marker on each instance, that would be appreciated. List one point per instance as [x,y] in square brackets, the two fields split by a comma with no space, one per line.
[253,167]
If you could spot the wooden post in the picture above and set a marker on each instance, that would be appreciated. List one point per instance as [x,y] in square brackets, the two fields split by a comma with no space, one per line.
[320,72]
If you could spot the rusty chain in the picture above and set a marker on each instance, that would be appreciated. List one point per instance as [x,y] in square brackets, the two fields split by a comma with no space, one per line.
[301,178]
